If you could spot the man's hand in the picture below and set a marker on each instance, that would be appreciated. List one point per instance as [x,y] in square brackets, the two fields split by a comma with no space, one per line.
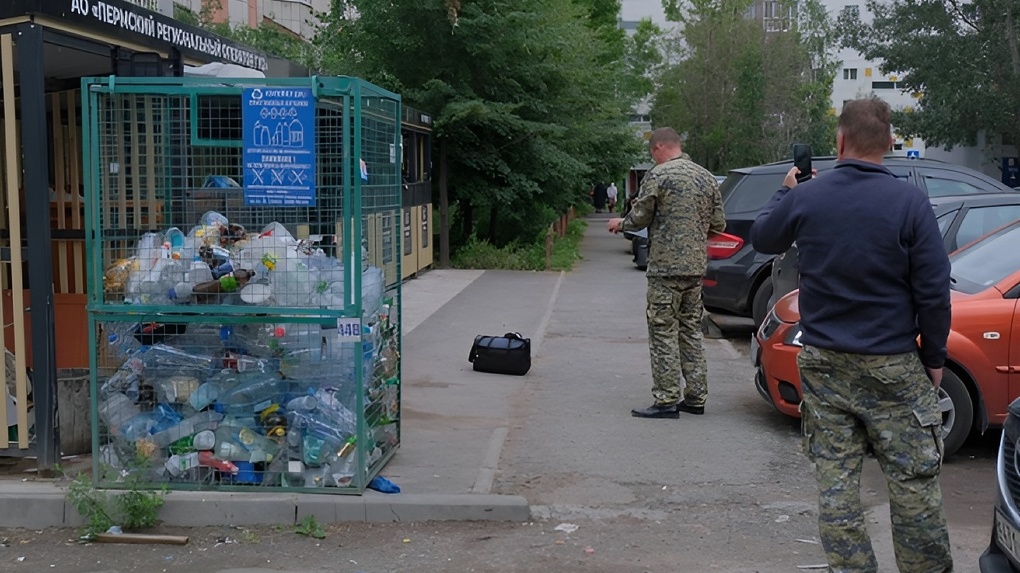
[615,225]
[791,177]
[935,375]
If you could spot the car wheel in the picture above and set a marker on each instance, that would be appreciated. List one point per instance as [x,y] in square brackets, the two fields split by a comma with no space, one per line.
[760,301]
[957,411]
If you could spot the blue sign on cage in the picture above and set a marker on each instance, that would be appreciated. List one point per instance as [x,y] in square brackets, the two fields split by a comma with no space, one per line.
[279,146]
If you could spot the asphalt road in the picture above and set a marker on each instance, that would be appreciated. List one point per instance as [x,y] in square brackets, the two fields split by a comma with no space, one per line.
[727,491]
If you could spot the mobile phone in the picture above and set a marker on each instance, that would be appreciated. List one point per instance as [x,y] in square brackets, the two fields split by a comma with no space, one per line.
[802,161]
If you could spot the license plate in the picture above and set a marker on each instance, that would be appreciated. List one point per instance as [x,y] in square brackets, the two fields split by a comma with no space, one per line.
[1007,536]
[755,351]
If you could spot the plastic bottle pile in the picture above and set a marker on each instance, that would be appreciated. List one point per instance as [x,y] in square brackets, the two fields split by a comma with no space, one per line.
[271,403]
[219,262]
[254,408]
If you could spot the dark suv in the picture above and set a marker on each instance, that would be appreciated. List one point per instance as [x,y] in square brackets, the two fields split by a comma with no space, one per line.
[742,283]
[1003,553]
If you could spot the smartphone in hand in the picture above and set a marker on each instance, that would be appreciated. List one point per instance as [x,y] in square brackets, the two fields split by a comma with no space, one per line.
[802,161]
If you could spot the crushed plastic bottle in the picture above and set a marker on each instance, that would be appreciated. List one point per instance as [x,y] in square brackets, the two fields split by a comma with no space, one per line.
[115,410]
[255,393]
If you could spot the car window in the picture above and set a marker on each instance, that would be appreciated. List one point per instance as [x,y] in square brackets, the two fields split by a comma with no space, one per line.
[988,261]
[749,193]
[942,182]
[979,221]
[945,220]
[939,187]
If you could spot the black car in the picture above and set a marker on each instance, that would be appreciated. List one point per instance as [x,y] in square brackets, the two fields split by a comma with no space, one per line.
[742,284]
[961,220]
[1003,553]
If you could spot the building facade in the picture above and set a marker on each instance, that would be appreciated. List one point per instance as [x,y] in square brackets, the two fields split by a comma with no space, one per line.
[297,16]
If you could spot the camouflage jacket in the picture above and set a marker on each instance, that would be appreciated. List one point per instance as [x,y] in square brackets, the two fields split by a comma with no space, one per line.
[679,202]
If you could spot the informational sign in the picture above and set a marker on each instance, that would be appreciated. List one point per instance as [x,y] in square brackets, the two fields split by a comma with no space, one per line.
[278,126]
[124,18]
[913,154]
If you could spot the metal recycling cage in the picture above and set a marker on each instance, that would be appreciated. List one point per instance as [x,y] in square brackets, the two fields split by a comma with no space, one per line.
[240,339]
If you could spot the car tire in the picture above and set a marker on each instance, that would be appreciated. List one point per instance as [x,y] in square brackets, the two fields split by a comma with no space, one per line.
[957,411]
[760,301]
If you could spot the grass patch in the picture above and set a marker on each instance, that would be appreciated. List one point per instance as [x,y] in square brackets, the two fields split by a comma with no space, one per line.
[523,257]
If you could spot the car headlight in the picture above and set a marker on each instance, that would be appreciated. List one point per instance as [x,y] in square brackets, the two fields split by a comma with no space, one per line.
[793,336]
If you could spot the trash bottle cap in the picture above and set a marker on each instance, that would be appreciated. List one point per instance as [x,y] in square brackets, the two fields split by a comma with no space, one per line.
[204,440]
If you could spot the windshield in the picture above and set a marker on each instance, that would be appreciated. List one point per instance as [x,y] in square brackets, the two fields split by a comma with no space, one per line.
[987,261]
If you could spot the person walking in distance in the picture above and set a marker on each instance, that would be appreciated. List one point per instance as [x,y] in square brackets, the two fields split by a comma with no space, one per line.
[680,205]
[866,382]
[611,193]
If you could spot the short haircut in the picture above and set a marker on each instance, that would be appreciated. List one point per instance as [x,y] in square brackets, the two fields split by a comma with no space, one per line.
[664,136]
[866,125]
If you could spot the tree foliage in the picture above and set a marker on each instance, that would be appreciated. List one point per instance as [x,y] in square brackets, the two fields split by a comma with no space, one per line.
[741,94]
[523,93]
[961,58]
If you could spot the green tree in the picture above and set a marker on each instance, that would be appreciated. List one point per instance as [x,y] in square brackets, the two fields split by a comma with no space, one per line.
[742,94]
[522,97]
[961,58]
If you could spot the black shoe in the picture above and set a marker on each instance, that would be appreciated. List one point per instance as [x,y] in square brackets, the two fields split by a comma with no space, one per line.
[657,411]
[682,407]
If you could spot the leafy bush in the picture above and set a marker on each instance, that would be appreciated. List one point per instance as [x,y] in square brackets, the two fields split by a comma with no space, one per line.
[480,254]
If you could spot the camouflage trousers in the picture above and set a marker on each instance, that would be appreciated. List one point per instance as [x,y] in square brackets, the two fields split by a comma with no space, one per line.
[675,340]
[852,401]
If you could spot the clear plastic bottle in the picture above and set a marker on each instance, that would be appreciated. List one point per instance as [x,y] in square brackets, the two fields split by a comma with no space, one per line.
[371,293]
[116,409]
[120,338]
[254,394]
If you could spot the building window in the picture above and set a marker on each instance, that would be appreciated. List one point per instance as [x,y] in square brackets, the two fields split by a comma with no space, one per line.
[885,85]
[776,17]
[849,73]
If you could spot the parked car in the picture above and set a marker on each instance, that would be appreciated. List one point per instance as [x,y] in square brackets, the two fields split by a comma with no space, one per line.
[742,283]
[719,245]
[961,220]
[978,382]
[1003,553]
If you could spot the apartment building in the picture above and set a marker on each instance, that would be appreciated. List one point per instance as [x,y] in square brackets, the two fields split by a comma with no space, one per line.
[298,16]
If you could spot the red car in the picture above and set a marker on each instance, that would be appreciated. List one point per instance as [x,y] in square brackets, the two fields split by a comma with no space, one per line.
[982,374]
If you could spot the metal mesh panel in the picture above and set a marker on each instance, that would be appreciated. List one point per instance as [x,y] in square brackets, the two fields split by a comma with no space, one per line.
[239,343]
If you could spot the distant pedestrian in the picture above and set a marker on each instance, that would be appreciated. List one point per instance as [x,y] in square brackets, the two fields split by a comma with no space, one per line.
[599,196]
[611,197]
[874,275]
[679,203]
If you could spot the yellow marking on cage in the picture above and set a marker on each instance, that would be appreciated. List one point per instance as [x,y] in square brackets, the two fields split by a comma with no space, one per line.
[17,282]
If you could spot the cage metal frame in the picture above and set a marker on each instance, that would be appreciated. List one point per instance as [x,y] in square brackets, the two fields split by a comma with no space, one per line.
[343,93]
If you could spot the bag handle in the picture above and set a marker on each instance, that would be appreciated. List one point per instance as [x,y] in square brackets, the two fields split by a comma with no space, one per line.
[516,335]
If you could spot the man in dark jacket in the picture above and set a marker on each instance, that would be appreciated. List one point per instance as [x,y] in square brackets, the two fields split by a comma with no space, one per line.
[874,275]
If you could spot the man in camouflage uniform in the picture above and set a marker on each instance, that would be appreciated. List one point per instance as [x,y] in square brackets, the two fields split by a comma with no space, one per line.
[874,276]
[679,203]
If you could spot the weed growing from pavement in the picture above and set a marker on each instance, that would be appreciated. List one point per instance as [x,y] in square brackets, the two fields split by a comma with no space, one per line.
[136,507]
[310,527]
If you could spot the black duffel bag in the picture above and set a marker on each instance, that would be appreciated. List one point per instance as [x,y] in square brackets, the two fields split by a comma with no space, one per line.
[507,354]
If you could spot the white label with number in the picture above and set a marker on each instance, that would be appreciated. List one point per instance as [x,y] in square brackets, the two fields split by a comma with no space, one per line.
[348,329]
